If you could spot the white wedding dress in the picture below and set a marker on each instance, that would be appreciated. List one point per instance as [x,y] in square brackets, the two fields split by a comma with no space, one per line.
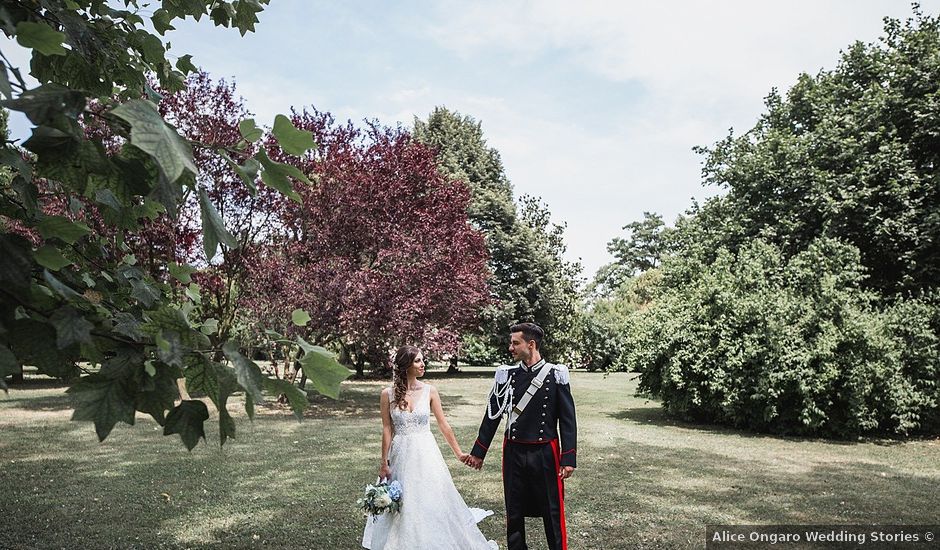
[433,515]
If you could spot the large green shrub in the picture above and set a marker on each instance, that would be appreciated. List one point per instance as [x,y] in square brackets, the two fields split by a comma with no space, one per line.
[795,346]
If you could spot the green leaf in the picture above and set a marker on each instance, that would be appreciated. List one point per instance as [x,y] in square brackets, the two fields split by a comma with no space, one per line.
[276,175]
[171,319]
[70,327]
[17,264]
[161,21]
[246,15]
[293,141]
[48,103]
[185,64]
[250,406]
[55,150]
[300,317]
[182,272]
[209,326]
[322,369]
[61,288]
[247,172]
[62,228]
[222,14]
[213,228]
[226,426]
[151,134]
[144,293]
[150,47]
[249,374]
[295,396]
[249,130]
[187,419]
[155,400]
[201,375]
[49,257]
[40,37]
[104,401]
[123,365]
[193,293]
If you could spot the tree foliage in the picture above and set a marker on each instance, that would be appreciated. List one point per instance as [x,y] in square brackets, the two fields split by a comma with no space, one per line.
[379,253]
[804,300]
[849,154]
[102,162]
[530,281]
[643,248]
[794,346]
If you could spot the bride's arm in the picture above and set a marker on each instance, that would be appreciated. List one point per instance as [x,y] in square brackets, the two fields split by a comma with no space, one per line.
[442,424]
[384,469]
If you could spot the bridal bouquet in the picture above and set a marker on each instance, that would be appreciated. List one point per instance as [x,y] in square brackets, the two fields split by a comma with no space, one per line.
[380,498]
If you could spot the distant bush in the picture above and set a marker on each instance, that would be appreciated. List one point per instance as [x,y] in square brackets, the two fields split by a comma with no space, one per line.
[601,333]
[794,346]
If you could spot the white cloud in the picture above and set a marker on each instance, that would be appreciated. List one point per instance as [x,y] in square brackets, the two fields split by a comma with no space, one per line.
[703,67]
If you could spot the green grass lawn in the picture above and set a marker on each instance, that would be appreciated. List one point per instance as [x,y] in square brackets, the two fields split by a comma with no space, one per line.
[643,480]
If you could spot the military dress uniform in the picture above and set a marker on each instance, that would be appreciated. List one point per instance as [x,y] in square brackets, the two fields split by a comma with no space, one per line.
[532,453]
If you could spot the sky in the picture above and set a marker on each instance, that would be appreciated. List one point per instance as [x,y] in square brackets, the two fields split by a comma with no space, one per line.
[594,106]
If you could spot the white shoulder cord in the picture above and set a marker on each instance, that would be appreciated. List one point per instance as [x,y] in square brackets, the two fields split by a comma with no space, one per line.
[503,398]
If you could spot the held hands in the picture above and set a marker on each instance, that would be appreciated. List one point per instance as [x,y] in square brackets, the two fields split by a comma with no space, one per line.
[474,462]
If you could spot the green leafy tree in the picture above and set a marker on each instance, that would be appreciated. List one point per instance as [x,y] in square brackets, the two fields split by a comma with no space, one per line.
[606,319]
[73,302]
[804,300]
[531,281]
[643,248]
[850,153]
[791,346]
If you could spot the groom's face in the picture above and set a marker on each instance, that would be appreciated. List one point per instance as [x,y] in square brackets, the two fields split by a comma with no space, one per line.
[519,348]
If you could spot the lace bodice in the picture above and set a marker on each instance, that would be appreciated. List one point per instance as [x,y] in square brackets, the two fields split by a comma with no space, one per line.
[417,421]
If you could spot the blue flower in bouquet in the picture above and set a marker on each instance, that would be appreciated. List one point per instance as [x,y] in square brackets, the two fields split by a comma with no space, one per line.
[381,498]
[394,490]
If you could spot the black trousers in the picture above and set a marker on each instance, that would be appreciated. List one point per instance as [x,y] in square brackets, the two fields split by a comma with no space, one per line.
[533,489]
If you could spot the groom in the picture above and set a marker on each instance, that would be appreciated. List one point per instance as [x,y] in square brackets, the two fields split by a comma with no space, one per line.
[537,397]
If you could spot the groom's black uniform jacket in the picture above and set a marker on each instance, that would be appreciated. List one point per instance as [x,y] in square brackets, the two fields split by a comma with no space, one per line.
[532,454]
[550,411]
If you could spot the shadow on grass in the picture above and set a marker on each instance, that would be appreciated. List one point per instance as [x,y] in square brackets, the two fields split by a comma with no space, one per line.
[657,416]
[46,403]
[294,486]
[665,497]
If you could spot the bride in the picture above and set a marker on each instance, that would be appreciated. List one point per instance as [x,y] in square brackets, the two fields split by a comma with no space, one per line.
[433,514]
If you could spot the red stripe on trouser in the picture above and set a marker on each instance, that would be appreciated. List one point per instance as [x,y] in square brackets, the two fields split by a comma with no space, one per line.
[502,471]
[561,494]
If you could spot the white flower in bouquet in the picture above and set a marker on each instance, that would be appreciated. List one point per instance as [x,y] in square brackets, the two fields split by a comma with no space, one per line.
[382,500]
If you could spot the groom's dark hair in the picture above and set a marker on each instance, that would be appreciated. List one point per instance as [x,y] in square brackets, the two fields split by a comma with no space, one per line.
[530,331]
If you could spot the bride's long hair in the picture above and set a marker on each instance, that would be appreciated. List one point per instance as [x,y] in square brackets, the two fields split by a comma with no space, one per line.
[404,357]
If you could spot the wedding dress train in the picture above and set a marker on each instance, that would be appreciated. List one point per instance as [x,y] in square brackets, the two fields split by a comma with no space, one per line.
[433,515]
